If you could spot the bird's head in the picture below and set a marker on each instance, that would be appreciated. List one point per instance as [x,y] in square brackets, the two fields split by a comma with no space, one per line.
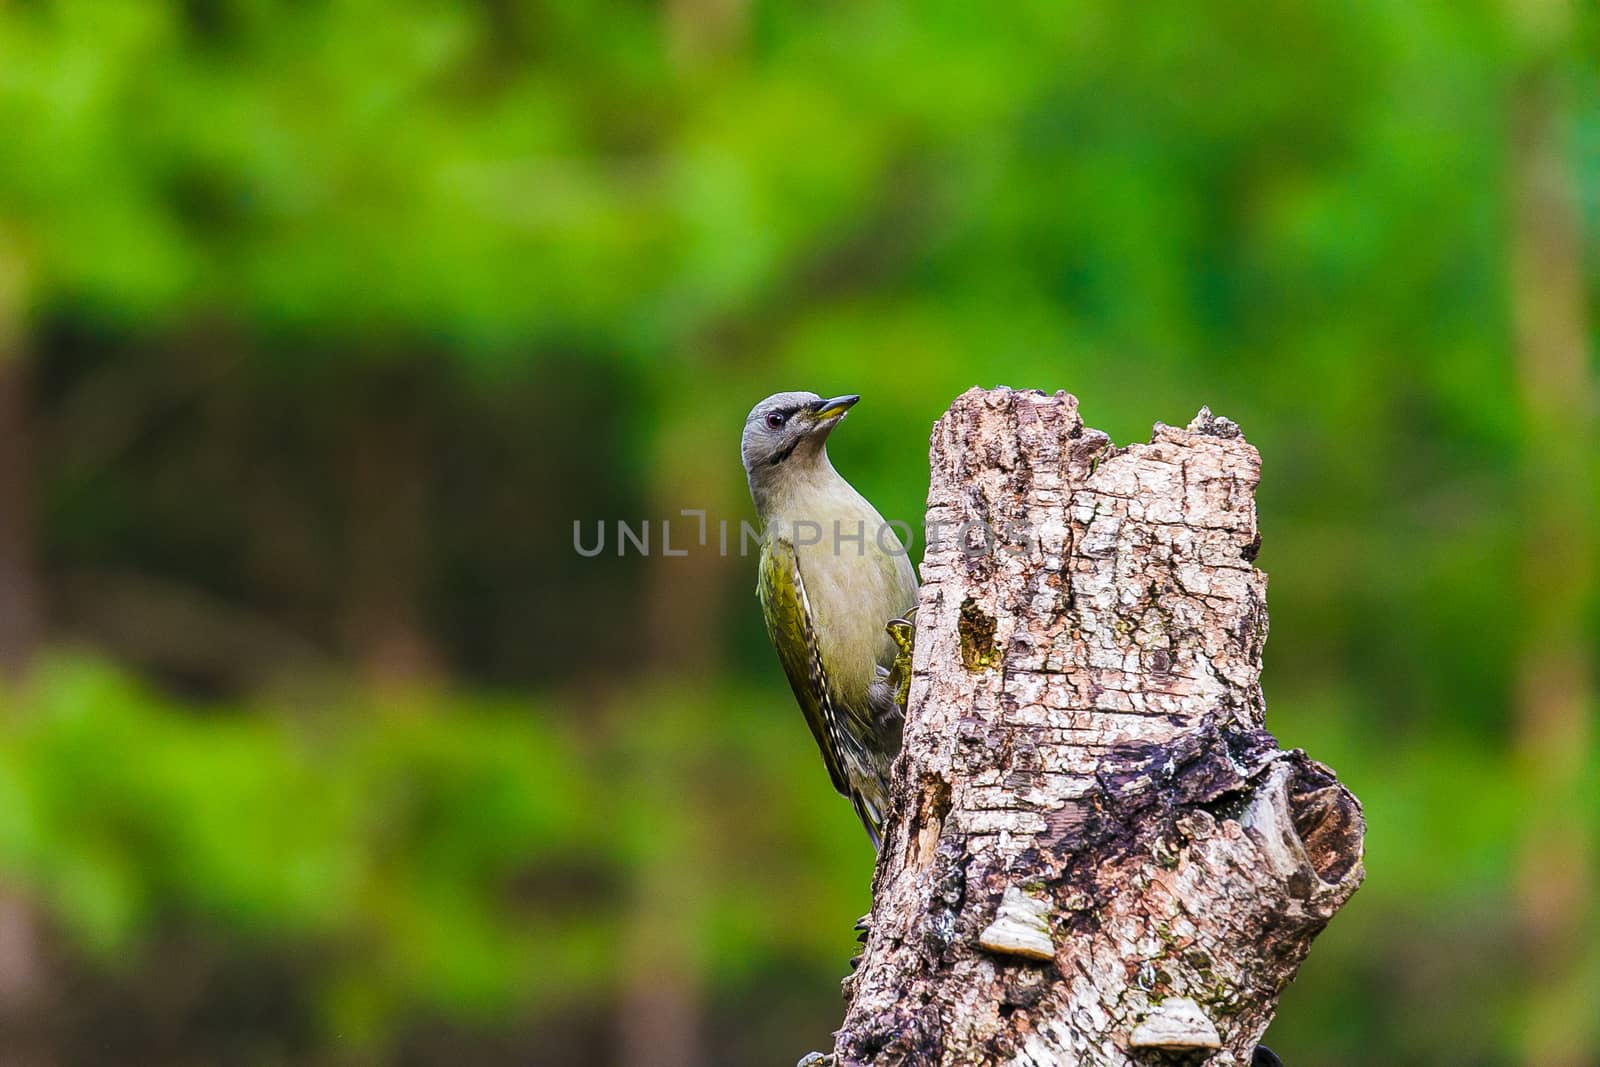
[786,430]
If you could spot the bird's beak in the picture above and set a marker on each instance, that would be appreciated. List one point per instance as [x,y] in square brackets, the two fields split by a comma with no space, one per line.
[830,409]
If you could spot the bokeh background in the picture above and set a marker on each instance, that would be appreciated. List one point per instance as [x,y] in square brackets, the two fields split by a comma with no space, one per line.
[322,322]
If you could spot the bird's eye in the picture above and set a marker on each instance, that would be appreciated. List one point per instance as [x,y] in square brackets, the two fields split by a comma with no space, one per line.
[775,421]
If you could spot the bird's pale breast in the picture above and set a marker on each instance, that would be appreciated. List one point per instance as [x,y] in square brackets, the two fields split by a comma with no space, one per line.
[855,587]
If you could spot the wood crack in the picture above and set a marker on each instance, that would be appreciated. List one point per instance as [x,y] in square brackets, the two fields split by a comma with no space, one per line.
[1086,737]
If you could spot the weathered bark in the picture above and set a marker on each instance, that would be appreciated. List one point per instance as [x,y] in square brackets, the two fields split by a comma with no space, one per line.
[1085,741]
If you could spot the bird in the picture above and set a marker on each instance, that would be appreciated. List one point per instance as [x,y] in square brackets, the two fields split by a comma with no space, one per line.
[837,591]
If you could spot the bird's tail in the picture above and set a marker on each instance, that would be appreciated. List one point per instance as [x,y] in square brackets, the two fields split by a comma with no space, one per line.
[869,811]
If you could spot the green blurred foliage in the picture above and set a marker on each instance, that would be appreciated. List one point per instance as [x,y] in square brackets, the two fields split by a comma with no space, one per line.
[433,853]
[340,314]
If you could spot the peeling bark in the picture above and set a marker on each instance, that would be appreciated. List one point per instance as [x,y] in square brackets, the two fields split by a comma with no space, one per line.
[1085,762]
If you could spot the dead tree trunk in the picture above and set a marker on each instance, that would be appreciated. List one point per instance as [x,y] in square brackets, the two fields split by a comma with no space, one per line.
[1096,853]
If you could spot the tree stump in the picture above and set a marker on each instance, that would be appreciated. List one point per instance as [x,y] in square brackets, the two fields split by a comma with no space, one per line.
[1095,853]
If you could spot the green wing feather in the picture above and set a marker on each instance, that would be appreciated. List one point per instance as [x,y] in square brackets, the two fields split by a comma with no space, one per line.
[786,610]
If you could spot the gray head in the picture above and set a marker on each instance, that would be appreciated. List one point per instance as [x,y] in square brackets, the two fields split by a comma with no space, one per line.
[786,432]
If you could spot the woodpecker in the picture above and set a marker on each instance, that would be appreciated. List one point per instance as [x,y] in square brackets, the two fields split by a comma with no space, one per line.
[836,588]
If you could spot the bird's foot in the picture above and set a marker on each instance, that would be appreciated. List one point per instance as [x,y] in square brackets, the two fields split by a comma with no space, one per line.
[903,630]
[816,1059]
[862,928]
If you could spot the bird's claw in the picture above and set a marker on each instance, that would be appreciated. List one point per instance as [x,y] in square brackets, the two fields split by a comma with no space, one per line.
[816,1059]
[862,928]
[903,630]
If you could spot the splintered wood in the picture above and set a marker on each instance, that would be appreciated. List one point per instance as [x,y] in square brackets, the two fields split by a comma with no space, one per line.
[1096,854]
